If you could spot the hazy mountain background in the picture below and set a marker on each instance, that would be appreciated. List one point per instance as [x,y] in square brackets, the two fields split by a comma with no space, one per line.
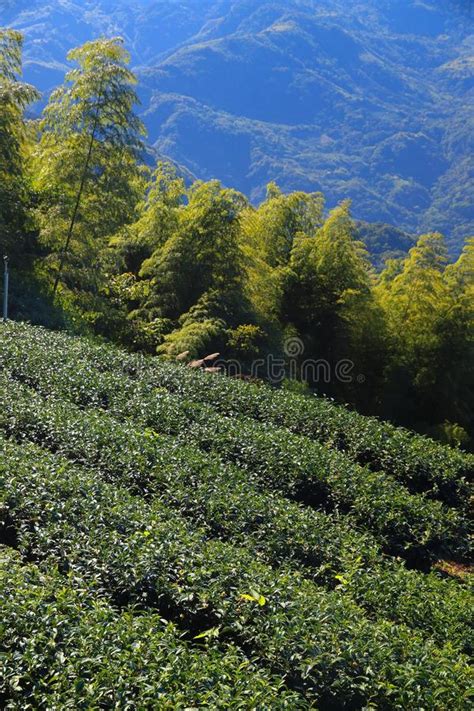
[371,100]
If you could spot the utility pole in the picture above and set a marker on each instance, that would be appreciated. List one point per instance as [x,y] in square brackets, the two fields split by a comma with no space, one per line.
[5,288]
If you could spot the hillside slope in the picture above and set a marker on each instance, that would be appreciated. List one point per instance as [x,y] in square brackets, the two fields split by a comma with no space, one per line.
[183,538]
[371,101]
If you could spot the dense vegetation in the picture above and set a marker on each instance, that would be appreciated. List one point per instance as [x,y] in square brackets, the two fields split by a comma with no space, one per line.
[100,243]
[170,537]
[368,100]
[174,532]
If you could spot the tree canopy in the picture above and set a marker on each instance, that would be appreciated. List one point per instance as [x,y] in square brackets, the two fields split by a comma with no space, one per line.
[157,262]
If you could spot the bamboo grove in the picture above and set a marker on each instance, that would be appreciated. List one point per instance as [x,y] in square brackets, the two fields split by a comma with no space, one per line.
[105,238]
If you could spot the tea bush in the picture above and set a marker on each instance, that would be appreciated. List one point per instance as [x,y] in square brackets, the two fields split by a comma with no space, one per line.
[173,540]
[133,552]
[409,525]
[414,459]
[223,502]
[65,647]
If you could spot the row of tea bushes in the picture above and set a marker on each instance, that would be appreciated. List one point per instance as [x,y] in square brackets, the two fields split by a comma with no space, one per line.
[410,525]
[318,641]
[64,647]
[417,461]
[225,504]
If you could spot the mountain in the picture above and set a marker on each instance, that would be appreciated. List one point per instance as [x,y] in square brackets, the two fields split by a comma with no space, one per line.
[370,100]
[383,241]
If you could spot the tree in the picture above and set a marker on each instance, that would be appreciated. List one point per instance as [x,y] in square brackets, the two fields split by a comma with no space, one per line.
[428,306]
[271,229]
[86,160]
[201,254]
[327,298]
[14,184]
[158,219]
[196,276]
[455,378]
[413,301]
[267,237]
[415,297]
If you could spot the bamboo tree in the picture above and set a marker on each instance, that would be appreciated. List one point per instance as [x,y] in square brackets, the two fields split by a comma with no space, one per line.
[15,95]
[89,129]
[78,201]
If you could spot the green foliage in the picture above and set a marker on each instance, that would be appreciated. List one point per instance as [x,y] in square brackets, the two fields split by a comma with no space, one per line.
[195,275]
[85,163]
[293,465]
[267,237]
[15,190]
[63,646]
[157,222]
[246,341]
[452,434]
[204,549]
[407,456]
[200,255]
[310,94]
[273,227]
[274,549]
[295,386]
[327,299]
[428,310]
[156,264]
[196,337]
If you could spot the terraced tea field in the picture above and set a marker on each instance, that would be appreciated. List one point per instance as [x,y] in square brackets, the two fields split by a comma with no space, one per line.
[171,539]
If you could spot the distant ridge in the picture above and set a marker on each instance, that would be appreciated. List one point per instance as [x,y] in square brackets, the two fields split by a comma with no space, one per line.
[372,101]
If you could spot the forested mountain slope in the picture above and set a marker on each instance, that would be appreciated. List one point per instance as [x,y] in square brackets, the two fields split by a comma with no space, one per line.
[368,100]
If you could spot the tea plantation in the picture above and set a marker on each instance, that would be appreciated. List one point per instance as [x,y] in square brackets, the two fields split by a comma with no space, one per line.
[176,540]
